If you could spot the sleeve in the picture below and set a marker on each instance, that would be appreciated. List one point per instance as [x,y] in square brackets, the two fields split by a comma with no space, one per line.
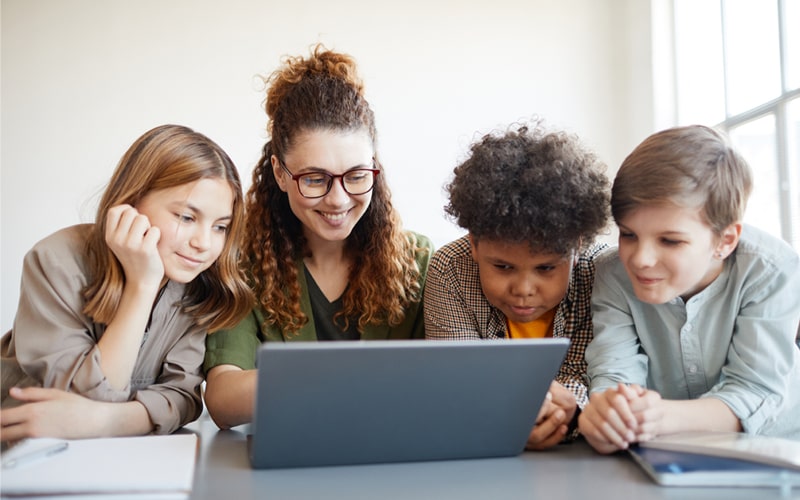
[416,310]
[174,399]
[56,344]
[447,314]
[577,321]
[572,373]
[613,355]
[236,346]
[757,376]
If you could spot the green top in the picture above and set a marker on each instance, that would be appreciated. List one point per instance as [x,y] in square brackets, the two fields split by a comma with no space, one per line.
[238,345]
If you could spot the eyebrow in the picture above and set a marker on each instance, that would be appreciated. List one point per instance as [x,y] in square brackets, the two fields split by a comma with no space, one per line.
[311,169]
[670,232]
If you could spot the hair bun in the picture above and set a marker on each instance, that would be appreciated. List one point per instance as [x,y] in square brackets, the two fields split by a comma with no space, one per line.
[322,63]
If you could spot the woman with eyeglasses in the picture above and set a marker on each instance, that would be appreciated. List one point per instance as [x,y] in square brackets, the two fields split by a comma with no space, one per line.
[325,250]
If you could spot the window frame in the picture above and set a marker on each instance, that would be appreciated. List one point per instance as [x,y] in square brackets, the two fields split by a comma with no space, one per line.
[777,108]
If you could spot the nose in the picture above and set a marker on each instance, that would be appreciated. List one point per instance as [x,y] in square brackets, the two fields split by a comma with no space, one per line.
[201,238]
[643,255]
[523,287]
[337,195]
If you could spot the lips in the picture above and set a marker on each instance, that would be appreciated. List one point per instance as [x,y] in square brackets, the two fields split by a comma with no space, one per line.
[334,218]
[524,310]
[190,261]
[643,280]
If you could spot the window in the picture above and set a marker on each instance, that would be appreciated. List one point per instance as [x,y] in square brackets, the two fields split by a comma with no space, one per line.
[737,67]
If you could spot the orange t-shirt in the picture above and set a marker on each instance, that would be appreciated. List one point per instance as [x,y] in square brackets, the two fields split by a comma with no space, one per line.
[538,328]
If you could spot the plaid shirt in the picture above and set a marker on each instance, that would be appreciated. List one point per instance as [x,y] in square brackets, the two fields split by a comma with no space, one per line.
[456,309]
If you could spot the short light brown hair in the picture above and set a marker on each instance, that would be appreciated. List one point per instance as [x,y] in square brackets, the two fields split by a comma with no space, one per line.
[691,166]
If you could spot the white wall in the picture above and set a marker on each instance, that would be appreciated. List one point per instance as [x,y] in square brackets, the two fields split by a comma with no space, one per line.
[81,79]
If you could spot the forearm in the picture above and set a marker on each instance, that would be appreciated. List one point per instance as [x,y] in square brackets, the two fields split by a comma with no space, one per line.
[230,395]
[120,343]
[705,414]
[54,413]
[124,419]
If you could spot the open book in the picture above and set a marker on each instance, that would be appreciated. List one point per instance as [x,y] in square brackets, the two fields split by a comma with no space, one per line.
[144,465]
[720,459]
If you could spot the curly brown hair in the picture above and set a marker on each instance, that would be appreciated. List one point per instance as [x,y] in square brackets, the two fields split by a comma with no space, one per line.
[324,92]
[527,184]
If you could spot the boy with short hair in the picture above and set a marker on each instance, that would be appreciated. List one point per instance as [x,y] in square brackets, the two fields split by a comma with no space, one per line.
[695,315]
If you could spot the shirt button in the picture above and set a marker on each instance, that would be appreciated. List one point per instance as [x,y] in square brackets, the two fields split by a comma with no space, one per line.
[692,368]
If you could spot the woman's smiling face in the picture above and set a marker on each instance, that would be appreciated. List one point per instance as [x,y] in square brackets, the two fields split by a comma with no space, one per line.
[331,217]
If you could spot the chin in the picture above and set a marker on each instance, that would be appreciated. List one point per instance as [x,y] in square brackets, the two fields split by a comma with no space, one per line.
[653,298]
[183,277]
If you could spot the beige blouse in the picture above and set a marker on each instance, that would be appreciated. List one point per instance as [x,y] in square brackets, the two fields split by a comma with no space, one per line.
[53,344]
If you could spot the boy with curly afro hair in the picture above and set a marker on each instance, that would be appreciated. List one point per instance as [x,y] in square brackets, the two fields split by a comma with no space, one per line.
[532,201]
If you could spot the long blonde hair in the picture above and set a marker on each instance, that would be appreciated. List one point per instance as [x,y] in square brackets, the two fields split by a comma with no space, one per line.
[164,157]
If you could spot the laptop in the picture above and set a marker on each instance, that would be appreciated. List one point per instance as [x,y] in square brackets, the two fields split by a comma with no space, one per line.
[362,402]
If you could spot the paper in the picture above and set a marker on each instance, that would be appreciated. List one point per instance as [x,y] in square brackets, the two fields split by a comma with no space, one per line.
[140,465]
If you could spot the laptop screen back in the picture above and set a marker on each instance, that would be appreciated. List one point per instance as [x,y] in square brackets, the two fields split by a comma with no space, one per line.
[337,403]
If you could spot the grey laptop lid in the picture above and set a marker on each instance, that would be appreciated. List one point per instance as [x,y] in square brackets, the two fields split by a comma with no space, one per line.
[338,403]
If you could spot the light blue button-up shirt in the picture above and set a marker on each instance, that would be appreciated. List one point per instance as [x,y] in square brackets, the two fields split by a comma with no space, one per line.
[734,340]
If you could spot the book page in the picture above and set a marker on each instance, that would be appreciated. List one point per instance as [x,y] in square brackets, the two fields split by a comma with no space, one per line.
[125,465]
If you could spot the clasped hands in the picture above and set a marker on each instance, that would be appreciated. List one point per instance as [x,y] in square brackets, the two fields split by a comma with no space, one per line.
[619,416]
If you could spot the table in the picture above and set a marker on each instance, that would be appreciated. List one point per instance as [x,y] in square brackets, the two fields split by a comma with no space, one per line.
[565,472]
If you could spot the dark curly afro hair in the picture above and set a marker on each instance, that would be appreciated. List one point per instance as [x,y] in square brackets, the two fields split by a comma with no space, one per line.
[531,185]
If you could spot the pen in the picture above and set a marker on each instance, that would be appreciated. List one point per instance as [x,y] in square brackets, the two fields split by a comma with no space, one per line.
[44,452]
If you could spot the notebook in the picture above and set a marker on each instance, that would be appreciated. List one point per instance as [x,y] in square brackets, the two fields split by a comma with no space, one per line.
[345,403]
[775,451]
[678,468]
[142,466]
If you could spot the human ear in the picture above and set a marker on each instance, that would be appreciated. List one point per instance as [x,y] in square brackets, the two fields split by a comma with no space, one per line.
[278,172]
[728,240]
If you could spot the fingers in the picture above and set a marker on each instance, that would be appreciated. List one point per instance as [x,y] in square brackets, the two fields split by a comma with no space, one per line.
[125,226]
[594,437]
[33,394]
[152,237]
[562,397]
[549,432]
[15,423]
[619,411]
[607,421]
[546,408]
[134,241]
[48,413]
[649,411]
